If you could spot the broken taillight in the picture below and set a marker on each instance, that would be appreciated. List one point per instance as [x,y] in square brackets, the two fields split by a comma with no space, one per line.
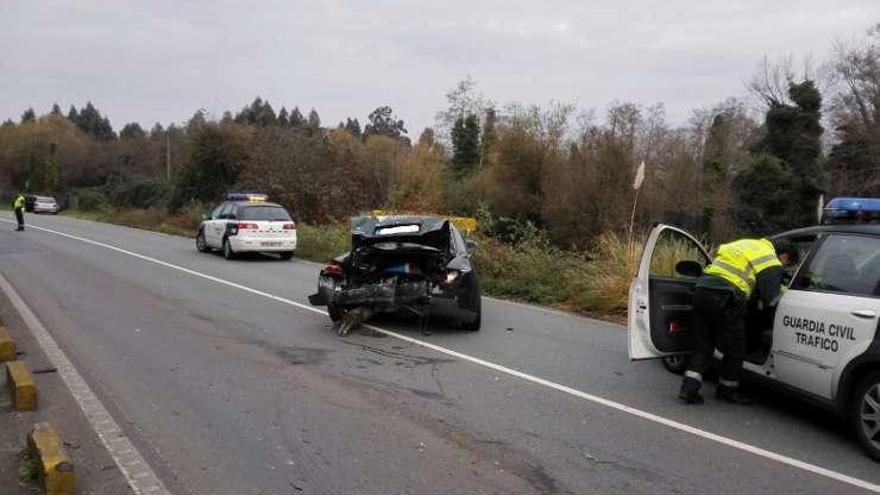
[333,268]
[675,326]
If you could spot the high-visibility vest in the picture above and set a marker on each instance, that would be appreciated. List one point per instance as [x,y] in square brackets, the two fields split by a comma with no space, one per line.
[741,261]
[19,202]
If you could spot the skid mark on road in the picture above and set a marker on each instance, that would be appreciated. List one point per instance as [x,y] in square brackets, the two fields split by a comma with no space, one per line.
[751,449]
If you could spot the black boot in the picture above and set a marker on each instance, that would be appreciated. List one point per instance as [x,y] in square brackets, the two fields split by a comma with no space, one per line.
[690,391]
[733,395]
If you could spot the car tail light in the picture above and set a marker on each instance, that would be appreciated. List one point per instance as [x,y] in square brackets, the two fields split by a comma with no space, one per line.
[675,326]
[333,268]
[451,276]
[290,226]
[247,226]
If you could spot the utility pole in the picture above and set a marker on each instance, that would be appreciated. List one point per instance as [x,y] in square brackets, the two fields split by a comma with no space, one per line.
[167,156]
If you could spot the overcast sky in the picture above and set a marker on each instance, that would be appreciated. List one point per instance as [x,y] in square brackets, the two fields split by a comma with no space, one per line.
[150,61]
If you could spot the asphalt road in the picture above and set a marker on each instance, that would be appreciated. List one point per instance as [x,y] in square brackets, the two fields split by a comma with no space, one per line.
[224,390]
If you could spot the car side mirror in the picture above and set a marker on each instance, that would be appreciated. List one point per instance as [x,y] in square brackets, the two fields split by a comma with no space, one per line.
[689,268]
[471,246]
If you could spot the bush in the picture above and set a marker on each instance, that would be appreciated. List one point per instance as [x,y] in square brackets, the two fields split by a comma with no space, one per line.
[323,242]
[91,199]
[137,193]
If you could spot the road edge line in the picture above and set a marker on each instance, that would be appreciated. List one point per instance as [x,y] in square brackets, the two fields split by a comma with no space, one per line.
[706,435]
[134,468]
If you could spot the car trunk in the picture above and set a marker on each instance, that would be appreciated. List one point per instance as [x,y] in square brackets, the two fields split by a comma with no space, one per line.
[391,265]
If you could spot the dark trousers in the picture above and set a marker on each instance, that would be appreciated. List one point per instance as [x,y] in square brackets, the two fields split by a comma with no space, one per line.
[718,320]
[19,216]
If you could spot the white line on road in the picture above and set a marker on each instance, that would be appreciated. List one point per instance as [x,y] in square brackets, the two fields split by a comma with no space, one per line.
[783,459]
[137,472]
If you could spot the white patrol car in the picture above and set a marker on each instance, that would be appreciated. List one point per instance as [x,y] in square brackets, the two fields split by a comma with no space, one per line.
[820,342]
[247,223]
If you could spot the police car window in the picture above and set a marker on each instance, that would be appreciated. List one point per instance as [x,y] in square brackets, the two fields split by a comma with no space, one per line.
[671,248]
[216,213]
[227,210]
[267,213]
[846,264]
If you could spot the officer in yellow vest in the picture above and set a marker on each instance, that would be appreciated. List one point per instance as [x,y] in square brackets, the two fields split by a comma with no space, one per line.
[18,206]
[741,269]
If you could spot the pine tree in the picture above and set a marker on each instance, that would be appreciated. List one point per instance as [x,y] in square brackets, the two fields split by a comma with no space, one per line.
[264,116]
[382,122]
[28,116]
[283,119]
[466,144]
[793,135]
[314,119]
[73,115]
[296,118]
[91,122]
[132,130]
[56,110]
[353,127]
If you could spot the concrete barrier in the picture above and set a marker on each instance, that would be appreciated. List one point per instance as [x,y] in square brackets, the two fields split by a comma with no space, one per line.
[55,467]
[22,386]
[7,345]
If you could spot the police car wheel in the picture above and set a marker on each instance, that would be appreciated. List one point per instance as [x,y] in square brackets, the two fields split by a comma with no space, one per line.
[675,364]
[201,245]
[285,255]
[228,253]
[866,414]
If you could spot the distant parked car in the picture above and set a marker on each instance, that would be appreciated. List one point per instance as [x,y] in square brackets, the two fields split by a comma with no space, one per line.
[40,204]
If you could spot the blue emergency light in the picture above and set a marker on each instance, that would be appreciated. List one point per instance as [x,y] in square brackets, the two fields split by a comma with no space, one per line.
[246,196]
[851,210]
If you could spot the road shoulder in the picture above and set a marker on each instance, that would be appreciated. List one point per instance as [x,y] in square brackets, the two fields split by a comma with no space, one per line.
[96,471]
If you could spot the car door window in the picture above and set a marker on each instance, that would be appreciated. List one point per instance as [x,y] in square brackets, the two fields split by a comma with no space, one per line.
[228,211]
[673,247]
[215,214]
[844,264]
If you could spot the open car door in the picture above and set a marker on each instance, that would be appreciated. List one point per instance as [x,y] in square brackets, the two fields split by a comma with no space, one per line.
[660,296]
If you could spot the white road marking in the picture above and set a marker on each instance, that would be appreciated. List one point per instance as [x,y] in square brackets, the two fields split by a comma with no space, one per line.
[783,459]
[137,472]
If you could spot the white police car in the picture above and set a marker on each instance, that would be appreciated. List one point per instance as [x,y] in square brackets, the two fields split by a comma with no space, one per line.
[820,342]
[247,223]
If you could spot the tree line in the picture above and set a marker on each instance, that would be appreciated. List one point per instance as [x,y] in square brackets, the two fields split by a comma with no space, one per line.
[557,170]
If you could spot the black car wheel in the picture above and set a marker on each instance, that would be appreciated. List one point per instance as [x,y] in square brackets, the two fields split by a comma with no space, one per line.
[201,245]
[228,253]
[866,414]
[473,325]
[335,312]
[286,255]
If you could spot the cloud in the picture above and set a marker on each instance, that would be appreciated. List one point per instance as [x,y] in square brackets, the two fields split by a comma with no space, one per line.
[160,61]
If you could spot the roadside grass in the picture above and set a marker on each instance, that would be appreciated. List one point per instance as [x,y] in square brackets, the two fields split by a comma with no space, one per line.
[594,282]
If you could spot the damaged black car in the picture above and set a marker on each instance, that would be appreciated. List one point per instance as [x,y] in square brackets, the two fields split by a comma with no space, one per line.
[419,265]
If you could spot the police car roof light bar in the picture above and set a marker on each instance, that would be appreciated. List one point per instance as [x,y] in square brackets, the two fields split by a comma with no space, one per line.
[245,196]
